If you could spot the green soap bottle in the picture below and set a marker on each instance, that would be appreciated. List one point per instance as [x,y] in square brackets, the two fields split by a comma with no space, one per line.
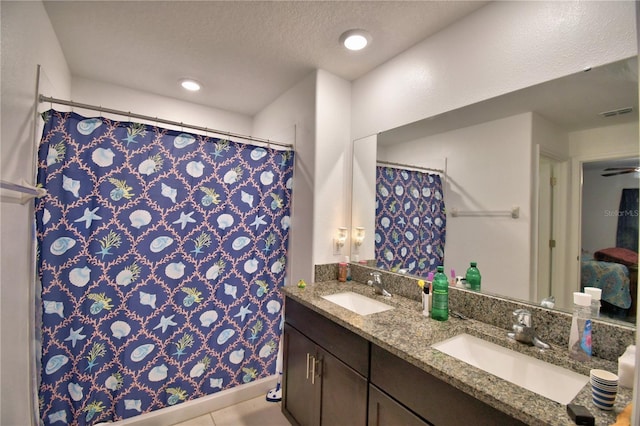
[440,296]
[473,277]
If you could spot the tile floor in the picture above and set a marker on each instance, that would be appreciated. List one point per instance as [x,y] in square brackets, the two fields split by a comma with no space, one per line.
[254,412]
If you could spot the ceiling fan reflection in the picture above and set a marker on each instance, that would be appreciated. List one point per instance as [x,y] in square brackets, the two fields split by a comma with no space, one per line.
[614,171]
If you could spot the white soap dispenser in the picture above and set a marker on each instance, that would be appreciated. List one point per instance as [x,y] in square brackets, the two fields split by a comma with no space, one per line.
[580,334]
[596,295]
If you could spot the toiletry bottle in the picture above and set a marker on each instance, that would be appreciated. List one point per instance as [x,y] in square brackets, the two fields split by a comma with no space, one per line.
[596,295]
[452,280]
[440,306]
[429,278]
[426,299]
[430,284]
[580,334]
[342,272]
[473,277]
[421,284]
[627,367]
[346,260]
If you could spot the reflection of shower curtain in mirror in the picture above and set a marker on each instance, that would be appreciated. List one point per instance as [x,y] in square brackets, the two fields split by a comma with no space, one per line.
[410,220]
[161,254]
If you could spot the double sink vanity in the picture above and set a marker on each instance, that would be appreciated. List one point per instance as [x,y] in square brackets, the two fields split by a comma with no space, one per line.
[352,357]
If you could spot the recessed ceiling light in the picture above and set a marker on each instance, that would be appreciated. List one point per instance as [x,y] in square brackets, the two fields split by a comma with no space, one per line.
[355,39]
[190,85]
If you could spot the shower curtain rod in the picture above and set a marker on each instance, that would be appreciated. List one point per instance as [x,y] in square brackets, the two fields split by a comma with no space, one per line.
[23,188]
[27,192]
[129,114]
[390,163]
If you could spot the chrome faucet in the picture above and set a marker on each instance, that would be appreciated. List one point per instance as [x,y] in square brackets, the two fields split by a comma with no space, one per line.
[377,284]
[523,330]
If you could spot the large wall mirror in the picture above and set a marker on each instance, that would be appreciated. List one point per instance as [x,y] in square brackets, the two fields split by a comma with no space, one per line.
[532,184]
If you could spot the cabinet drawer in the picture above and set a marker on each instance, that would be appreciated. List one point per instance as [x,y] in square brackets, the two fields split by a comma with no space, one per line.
[385,411]
[431,398]
[347,346]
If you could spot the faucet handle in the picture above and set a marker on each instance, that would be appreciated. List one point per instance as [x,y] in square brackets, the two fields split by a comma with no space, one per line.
[522,317]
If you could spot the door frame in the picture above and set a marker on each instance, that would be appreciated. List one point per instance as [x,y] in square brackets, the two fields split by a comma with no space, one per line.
[575,231]
[559,225]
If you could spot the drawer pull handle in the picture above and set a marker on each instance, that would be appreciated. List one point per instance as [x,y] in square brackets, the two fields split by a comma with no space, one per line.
[308,357]
[313,371]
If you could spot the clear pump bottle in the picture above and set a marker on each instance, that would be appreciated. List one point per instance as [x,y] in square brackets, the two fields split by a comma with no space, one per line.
[580,334]
[596,295]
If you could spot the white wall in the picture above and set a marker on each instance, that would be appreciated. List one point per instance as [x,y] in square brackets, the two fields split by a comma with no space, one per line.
[604,142]
[600,205]
[504,46]
[363,195]
[27,40]
[297,108]
[488,168]
[332,166]
[553,141]
[319,108]
[125,99]
[598,228]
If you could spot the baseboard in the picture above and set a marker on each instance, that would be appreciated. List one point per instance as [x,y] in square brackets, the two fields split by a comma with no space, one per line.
[201,406]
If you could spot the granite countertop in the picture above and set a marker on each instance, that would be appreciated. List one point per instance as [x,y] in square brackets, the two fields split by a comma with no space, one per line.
[405,332]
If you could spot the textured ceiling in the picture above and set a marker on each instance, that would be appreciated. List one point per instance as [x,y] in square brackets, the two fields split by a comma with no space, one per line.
[245,53]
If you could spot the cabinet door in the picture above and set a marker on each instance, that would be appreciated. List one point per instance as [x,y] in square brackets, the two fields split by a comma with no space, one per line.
[385,411]
[344,393]
[428,396]
[301,390]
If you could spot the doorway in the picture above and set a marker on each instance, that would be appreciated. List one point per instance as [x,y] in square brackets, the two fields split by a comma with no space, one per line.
[552,229]
[609,225]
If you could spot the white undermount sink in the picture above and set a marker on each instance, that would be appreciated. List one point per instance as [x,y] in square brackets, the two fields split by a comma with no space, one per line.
[357,303]
[556,383]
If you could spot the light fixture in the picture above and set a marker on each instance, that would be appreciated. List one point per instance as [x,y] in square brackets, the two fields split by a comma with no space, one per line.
[341,238]
[358,237]
[190,85]
[355,39]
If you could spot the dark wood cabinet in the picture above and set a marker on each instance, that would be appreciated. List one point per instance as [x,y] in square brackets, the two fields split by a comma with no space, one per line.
[332,376]
[344,393]
[386,411]
[301,398]
[429,397]
[318,387]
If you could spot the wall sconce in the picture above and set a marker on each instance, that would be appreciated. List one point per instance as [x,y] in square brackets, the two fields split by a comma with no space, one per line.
[341,238]
[358,237]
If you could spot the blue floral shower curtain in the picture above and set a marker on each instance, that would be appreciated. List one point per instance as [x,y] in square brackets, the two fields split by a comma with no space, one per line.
[410,220]
[160,255]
